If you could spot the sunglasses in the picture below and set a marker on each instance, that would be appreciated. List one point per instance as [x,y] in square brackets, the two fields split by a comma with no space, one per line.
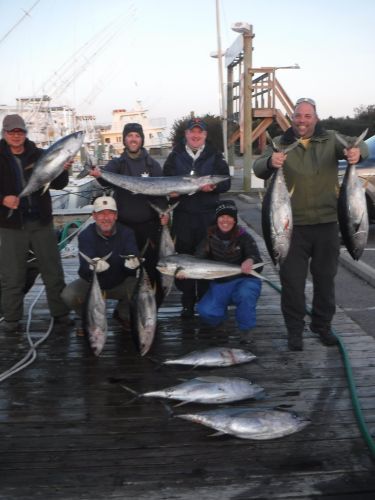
[306,99]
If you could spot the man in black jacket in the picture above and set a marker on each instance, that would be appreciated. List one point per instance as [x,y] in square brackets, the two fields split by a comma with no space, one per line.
[26,223]
[134,210]
[194,213]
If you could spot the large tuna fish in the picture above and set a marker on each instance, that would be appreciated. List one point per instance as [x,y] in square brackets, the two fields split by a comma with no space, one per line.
[214,356]
[277,218]
[208,390]
[51,163]
[166,246]
[94,312]
[352,207]
[143,313]
[190,267]
[161,186]
[247,423]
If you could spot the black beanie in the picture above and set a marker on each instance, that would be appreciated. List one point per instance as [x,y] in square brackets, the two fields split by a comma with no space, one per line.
[133,127]
[226,207]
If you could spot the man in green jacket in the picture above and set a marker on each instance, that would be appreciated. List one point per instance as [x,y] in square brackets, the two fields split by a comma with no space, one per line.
[311,172]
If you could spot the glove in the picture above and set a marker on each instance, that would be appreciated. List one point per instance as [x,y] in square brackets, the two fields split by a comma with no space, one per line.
[132,262]
[99,265]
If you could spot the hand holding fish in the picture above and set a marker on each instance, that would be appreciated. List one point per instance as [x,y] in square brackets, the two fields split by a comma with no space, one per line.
[132,262]
[68,164]
[207,188]
[352,155]
[164,219]
[11,201]
[99,265]
[277,159]
[247,266]
[95,172]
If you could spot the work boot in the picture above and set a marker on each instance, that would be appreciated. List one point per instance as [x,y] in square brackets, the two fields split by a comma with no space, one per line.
[325,335]
[63,323]
[11,327]
[295,341]
[246,336]
[187,312]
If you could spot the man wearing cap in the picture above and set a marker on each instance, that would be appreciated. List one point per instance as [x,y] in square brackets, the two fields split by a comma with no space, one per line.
[134,210]
[311,173]
[195,213]
[116,274]
[27,223]
[228,242]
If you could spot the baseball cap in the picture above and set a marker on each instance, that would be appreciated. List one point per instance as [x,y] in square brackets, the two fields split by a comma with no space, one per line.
[12,122]
[226,207]
[196,122]
[105,203]
[306,99]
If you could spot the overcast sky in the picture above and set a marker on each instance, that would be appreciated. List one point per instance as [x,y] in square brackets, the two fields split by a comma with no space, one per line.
[101,55]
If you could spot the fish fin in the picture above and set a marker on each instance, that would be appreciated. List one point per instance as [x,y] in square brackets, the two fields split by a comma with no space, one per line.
[290,148]
[341,139]
[219,433]
[10,213]
[182,403]
[129,389]
[29,167]
[257,275]
[46,186]
[360,138]
[85,257]
[292,191]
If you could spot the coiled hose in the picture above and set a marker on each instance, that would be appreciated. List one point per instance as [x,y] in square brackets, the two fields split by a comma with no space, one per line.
[352,387]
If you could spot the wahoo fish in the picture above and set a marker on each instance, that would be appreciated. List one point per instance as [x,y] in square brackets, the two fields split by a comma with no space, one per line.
[51,163]
[190,267]
[208,390]
[166,246]
[248,423]
[143,312]
[161,186]
[215,356]
[277,218]
[352,206]
[94,311]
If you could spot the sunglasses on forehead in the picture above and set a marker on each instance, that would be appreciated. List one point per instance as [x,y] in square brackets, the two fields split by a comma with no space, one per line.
[306,99]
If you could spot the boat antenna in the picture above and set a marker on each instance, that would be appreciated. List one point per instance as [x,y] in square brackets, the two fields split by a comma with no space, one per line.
[26,14]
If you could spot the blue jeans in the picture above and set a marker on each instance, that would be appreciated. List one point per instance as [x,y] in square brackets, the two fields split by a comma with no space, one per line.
[242,292]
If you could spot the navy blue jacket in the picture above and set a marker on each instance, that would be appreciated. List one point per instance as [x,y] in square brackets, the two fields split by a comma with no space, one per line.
[121,243]
[209,162]
[135,208]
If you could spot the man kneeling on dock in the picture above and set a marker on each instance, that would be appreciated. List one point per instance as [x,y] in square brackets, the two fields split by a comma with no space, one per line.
[115,274]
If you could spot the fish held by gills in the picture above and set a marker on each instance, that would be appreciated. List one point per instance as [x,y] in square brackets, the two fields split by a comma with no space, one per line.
[143,313]
[352,207]
[277,218]
[51,163]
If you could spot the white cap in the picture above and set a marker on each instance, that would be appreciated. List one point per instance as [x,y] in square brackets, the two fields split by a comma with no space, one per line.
[105,203]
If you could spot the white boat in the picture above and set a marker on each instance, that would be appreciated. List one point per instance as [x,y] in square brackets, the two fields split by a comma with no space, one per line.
[78,193]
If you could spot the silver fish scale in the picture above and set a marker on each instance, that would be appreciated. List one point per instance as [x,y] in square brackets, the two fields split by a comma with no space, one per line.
[96,318]
[217,356]
[210,390]
[51,164]
[281,217]
[161,186]
[245,423]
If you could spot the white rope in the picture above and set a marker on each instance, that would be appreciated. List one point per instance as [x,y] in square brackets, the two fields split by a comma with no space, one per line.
[32,353]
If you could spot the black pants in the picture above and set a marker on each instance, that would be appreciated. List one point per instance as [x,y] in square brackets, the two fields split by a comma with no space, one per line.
[318,244]
[189,230]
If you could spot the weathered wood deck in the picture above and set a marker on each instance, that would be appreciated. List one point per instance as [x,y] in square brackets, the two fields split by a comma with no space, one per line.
[67,431]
